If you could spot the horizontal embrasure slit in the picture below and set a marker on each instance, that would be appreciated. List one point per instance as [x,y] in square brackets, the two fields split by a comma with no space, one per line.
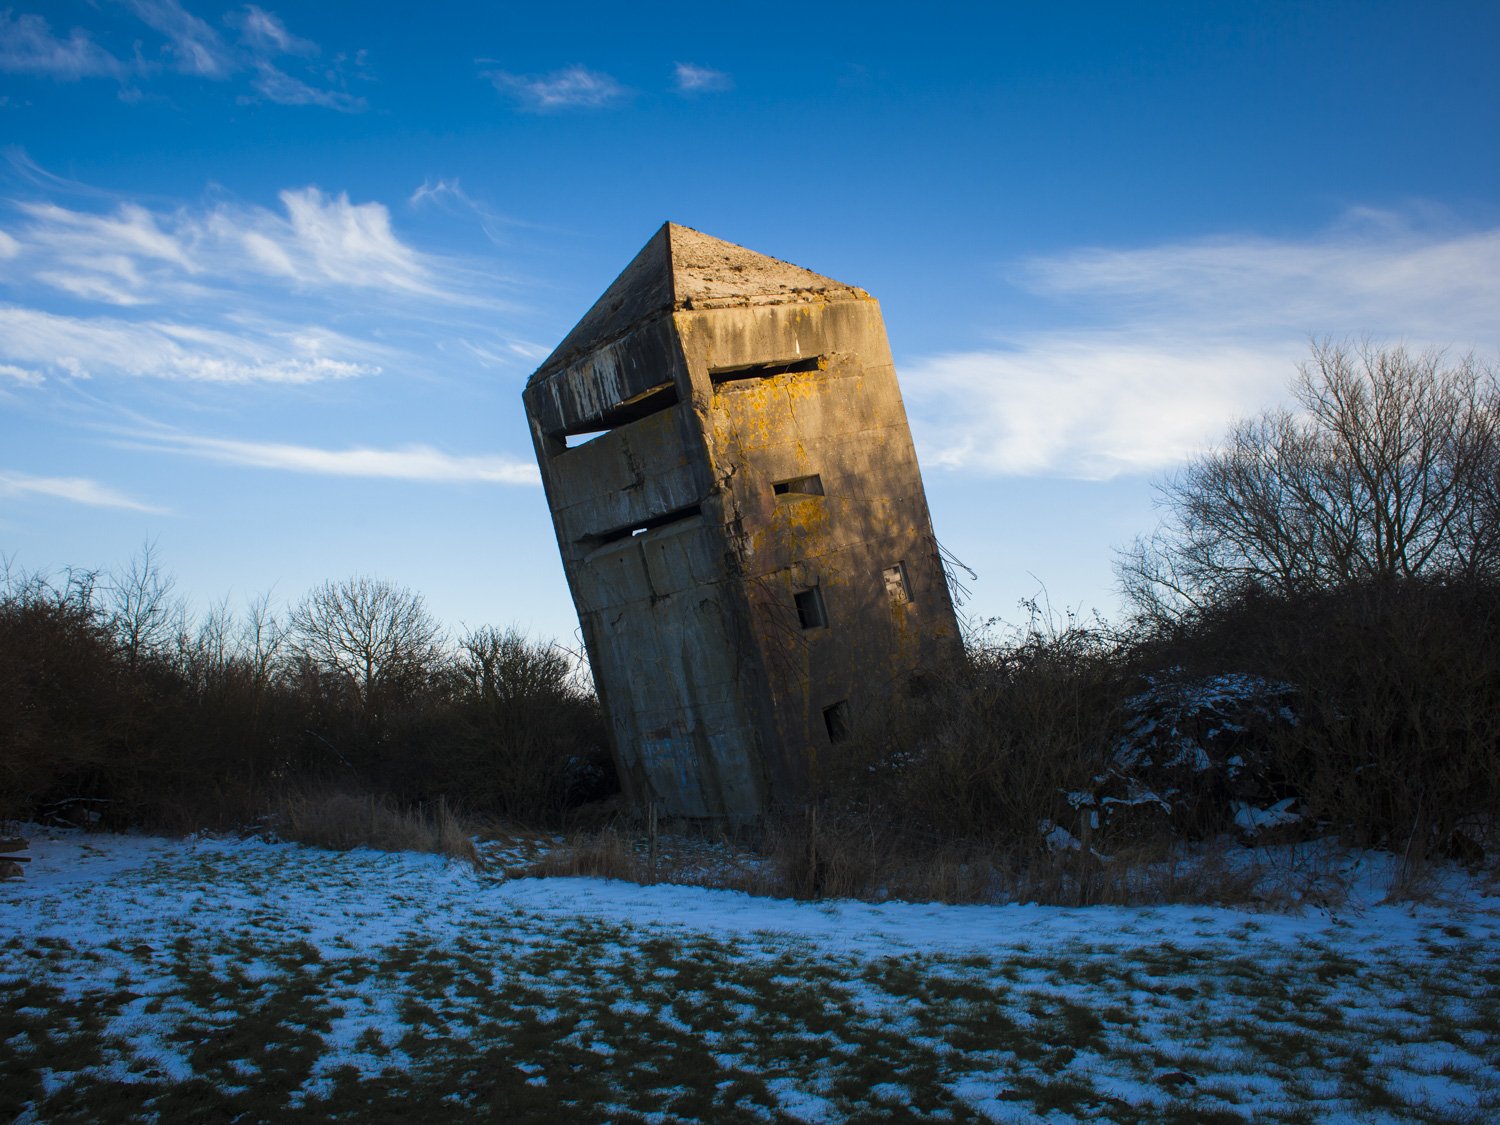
[799,486]
[765,370]
[643,405]
[618,533]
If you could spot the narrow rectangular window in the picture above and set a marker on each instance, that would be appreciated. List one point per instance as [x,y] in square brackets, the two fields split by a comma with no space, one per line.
[650,524]
[896,587]
[661,397]
[799,486]
[810,609]
[764,370]
[836,719]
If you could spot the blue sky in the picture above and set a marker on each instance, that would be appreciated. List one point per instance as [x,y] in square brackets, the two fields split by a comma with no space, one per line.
[272,277]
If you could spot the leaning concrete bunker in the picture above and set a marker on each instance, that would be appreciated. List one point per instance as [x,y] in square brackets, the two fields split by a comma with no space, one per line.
[741,519]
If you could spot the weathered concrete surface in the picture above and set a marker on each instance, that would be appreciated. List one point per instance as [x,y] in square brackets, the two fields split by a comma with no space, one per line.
[746,538]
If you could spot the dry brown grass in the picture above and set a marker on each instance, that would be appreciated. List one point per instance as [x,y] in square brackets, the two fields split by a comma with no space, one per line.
[800,857]
[342,820]
[684,858]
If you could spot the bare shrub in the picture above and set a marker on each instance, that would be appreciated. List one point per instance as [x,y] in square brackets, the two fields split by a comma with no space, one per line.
[1397,696]
[989,751]
[1400,742]
[532,740]
[65,703]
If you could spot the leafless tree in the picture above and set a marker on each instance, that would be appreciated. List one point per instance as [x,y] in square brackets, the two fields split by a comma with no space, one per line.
[376,634]
[1390,469]
[143,611]
[504,668]
[261,639]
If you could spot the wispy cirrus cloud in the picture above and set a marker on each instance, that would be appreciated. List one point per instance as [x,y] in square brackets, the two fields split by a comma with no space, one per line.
[694,79]
[20,376]
[1182,338]
[263,49]
[257,295]
[195,46]
[410,462]
[265,32]
[129,255]
[77,490]
[28,46]
[449,195]
[574,87]
[90,347]
[276,85]
[329,239]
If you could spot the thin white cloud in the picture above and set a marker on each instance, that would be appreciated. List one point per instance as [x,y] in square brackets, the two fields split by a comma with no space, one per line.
[276,85]
[196,47]
[27,46]
[265,33]
[78,490]
[132,256]
[1187,336]
[575,87]
[131,229]
[1374,270]
[1088,405]
[692,79]
[21,375]
[348,243]
[80,347]
[449,195]
[412,462]
[192,47]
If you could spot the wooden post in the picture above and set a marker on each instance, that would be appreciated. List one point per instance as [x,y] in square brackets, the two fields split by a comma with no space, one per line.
[651,833]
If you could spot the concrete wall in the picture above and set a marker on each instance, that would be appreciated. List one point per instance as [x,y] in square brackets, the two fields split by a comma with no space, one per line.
[844,423]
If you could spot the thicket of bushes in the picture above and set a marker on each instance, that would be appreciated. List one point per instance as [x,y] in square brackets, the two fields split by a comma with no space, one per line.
[1371,711]
[116,709]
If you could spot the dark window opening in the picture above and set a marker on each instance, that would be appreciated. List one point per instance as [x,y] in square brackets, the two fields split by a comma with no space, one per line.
[836,719]
[896,586]
[799,486]
[618,533]
[643,405]
[810,609]
[765,370]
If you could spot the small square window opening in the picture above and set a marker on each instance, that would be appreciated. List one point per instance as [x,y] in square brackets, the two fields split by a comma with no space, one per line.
[836,719]
[799,486]
[896,586]
[811,613]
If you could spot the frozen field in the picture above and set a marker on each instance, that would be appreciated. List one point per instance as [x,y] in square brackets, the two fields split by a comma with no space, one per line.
[199,980]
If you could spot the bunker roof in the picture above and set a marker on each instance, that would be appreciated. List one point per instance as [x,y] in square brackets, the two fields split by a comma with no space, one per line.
[681,268]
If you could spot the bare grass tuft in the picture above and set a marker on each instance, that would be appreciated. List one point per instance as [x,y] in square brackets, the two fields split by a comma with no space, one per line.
[342,820]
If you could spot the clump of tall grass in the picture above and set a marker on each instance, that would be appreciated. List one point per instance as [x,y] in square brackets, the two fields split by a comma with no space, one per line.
[343,820]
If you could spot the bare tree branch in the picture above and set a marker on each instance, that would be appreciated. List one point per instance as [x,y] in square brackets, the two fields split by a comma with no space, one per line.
[1390,469]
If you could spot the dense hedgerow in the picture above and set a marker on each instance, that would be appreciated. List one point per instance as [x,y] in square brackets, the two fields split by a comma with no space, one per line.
[179,726]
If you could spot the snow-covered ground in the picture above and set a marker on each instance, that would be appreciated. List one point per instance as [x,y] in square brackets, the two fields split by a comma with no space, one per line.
[208,979]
